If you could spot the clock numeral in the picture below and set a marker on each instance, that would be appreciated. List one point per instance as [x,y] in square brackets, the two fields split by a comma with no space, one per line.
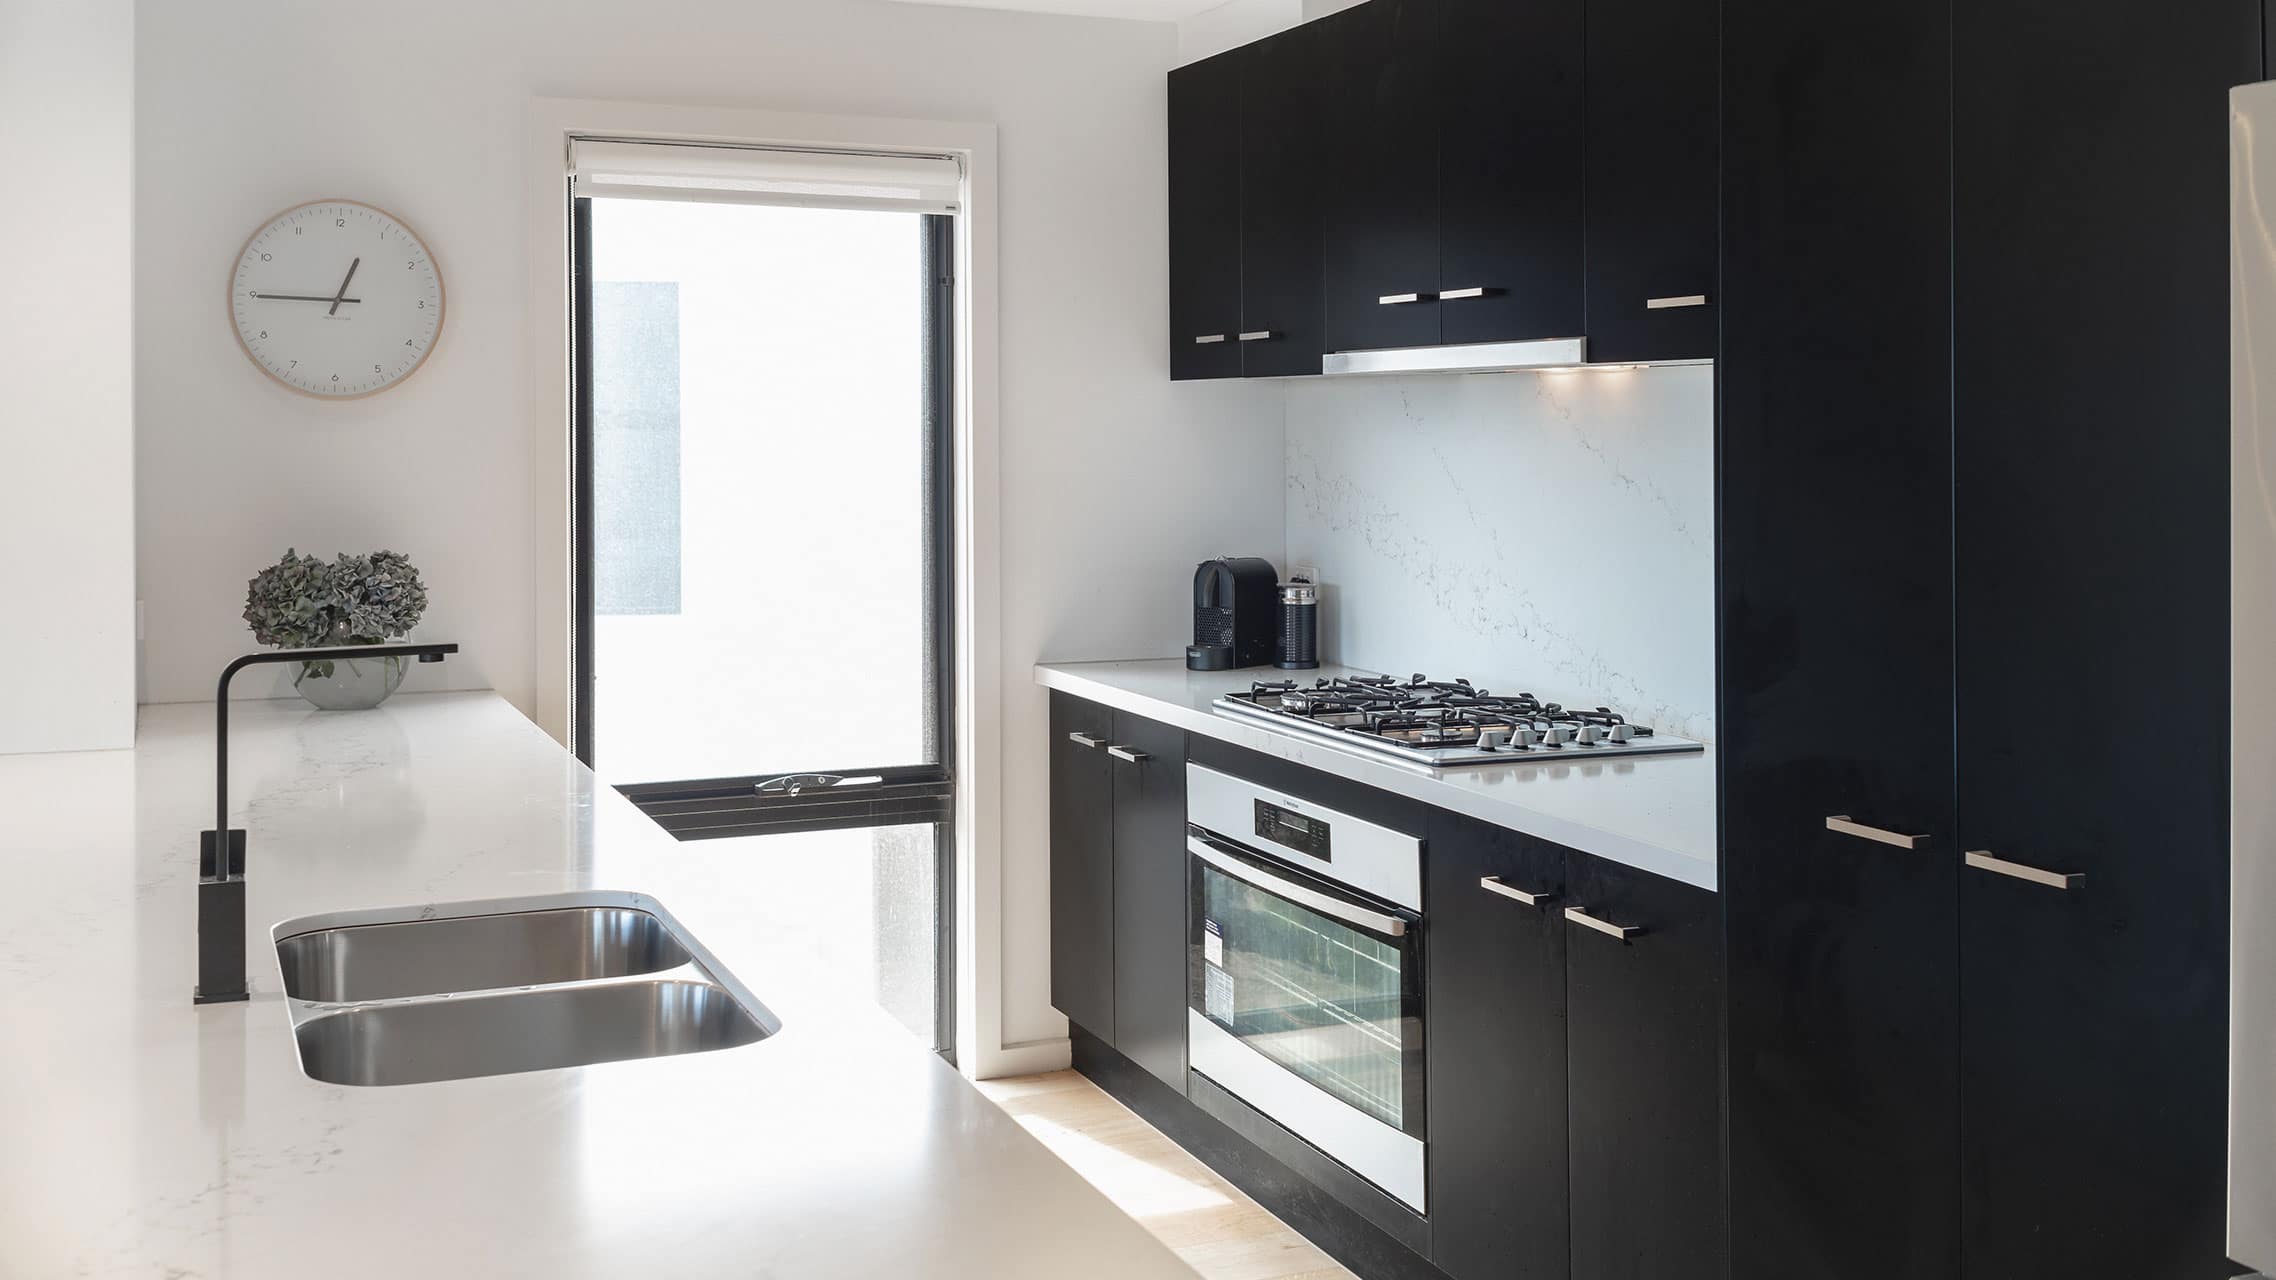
[297,230]
[339,222]
[375,368]
[422,304]
[411,266]
[335,377]
[264,333]
[264,257]
[292,364]
[406,342]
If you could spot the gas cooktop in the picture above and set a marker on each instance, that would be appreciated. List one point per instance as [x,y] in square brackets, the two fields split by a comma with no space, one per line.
[1445,722]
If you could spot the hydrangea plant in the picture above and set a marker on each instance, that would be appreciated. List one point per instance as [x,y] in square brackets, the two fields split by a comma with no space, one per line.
[302,601]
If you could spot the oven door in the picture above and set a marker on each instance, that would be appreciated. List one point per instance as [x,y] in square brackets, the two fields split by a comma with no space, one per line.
[1305,1001]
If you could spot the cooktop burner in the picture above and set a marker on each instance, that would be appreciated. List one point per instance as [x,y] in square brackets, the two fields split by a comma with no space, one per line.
[1445,722]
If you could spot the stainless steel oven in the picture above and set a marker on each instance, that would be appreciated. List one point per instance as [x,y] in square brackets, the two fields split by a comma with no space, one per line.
[1304,998]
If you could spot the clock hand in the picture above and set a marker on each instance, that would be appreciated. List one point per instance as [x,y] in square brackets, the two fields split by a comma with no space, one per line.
[295,297]
[343,293]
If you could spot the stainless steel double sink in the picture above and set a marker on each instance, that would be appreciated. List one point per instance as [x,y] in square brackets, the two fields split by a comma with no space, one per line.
[415,995]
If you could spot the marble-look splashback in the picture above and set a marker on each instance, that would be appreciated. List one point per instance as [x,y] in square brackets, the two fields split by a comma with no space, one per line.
[1543,532]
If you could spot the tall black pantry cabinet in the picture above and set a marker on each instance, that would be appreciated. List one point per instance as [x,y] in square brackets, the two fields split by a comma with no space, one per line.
[1835,640]
[2090,359]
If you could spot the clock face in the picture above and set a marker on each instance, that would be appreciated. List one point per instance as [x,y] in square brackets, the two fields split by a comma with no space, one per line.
[336,299]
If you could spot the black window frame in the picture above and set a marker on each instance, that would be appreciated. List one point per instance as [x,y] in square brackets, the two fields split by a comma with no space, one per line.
[903,795]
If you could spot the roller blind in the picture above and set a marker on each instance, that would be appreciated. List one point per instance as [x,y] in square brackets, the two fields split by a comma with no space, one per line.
[765,175]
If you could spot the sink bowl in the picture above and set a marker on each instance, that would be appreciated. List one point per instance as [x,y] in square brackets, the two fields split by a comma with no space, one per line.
[412,995]
[475,953]
[418,1041]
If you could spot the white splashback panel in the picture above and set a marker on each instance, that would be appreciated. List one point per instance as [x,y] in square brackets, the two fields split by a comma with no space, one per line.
[1545,532]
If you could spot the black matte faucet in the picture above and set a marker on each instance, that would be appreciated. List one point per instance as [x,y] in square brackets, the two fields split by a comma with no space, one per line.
[221,886]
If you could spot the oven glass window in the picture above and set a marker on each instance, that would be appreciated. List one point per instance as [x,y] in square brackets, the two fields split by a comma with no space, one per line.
[1317,996]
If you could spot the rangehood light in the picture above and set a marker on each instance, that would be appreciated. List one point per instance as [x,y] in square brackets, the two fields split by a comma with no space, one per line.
[1482,357]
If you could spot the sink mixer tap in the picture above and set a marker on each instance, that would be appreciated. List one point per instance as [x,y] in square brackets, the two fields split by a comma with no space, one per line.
[221,881]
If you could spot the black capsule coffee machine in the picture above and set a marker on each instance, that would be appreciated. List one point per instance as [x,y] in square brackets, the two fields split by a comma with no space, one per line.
[1236,614]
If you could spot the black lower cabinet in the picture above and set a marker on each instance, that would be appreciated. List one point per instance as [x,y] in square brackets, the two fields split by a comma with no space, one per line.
[1644,1066]
[1147,761]
[1496,971]
[1082,864]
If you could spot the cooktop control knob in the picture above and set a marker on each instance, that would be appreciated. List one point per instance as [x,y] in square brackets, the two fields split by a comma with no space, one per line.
[1556,735]
[1492,739]
[1589,735]
[1622,732]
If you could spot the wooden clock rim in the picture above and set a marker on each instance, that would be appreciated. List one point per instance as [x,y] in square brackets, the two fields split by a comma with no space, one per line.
[442,298]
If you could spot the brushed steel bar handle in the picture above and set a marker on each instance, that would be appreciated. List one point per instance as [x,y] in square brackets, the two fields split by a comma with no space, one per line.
[1083,740]
[1125,753]
[1207,338]
[1840,822]
[1258,336]
[1605,927]
[1982,860]
[1684,300]
[1394,299]
[1476,291]
[1493,884]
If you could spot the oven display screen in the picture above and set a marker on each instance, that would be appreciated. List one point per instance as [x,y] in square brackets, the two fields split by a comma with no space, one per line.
[1292,829]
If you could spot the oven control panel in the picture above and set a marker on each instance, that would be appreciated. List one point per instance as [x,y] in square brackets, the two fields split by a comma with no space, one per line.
[1367,856]
[1290,829]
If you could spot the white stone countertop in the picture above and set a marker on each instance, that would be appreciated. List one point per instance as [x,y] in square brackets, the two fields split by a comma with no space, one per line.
[143,1136]
[1653,812]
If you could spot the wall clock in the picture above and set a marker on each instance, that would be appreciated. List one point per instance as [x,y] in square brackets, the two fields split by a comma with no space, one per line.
[336,299]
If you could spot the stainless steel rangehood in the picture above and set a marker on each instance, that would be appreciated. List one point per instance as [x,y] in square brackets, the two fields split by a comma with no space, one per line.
[1479,357]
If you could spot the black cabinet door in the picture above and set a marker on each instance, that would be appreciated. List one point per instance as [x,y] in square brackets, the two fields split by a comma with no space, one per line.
[1284,171]
[1510,159]
[1652,146]
[1382,86]
[2090,204]
[1644,1059]
[1494,974]
[1082,865]
[1835,463]
[1205,219]
[1149,895]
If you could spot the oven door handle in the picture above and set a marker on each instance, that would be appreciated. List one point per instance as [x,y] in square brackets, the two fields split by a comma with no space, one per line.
[1326,904]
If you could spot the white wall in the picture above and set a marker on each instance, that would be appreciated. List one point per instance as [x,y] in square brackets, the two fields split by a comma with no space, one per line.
[67,342]
[1113,481]
[1548,533]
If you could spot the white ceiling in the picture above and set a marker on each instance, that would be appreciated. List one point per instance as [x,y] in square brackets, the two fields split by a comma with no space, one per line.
[1141,10]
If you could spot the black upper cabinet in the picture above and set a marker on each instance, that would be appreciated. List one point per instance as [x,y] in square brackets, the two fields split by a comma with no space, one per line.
[1651,179]
[1644,1058]
[1149,895]
[1205,219]
[1496,1051]
[1510,157]
[1379,62]
[1082,865]
[1282,167]
[1835,468]
[2094,1019]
